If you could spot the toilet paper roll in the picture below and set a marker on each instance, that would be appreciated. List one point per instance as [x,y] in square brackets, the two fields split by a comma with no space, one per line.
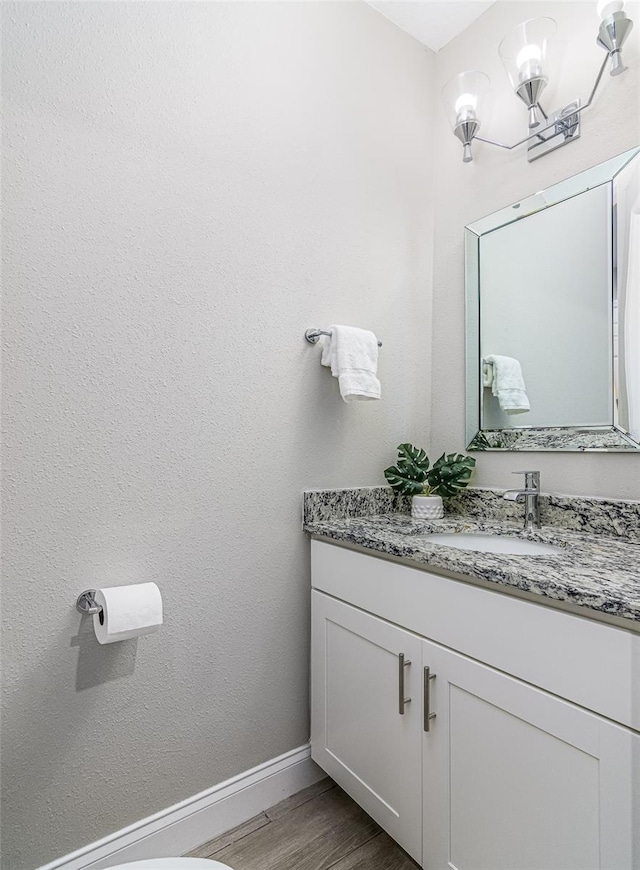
[127,611]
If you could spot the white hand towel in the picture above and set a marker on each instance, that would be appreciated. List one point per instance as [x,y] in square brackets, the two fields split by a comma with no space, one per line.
[508,384]
[352,354]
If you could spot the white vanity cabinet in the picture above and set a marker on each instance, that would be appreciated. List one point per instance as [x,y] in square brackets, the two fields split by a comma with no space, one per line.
[517,778]
[508,775]
[366,730]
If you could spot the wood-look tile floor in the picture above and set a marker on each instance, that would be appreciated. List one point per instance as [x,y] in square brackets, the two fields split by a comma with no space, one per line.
[317,828]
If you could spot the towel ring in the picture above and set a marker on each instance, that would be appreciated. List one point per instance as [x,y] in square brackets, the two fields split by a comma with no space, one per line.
[312,335]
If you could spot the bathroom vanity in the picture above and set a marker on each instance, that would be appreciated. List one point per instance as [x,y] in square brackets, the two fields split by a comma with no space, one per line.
[480,728]
[484,705]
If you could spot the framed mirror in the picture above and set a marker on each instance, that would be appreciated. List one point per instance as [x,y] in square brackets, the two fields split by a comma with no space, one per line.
[553,316]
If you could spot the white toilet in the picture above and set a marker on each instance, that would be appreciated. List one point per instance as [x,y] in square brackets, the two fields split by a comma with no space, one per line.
[173,864]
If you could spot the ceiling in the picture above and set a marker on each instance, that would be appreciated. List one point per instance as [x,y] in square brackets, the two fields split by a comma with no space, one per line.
[433,23]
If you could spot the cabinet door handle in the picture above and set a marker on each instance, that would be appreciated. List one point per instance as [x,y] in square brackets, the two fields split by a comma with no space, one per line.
[402,664]
[428,715]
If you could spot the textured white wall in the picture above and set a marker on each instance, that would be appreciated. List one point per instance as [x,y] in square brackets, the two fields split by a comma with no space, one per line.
[466,192]
[187,188]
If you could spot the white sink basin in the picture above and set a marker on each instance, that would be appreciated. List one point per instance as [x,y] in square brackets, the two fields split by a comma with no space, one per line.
[486,543]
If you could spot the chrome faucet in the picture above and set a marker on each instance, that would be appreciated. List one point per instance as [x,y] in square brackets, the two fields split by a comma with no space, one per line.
[530,495]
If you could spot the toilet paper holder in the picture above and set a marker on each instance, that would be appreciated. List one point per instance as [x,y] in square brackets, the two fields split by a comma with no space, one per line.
[86,602]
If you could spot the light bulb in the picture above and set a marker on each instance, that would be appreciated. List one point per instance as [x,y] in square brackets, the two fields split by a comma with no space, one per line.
[606,8]
[528,62]
[466,101]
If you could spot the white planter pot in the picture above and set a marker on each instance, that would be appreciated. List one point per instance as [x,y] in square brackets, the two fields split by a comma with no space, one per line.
[427,507]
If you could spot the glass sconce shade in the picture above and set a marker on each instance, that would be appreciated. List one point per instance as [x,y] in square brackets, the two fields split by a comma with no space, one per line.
[606,8]
[614,30]
[524,50]
[463,98]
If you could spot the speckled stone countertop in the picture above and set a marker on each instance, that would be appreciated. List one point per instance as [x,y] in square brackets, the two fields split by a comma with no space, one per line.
[598,574]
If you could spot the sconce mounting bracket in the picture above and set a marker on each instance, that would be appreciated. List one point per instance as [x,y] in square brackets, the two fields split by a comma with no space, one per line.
[561,127]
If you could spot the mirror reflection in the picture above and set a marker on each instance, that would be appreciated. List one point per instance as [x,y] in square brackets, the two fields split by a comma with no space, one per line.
[553,316]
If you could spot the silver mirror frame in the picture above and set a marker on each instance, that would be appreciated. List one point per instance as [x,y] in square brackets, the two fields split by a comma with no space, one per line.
[612,438]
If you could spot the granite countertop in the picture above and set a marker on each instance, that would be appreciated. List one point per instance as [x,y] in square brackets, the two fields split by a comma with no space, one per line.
[598,574]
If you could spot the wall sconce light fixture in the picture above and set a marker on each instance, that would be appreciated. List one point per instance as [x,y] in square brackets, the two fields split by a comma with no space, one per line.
[523,54]
[463,97]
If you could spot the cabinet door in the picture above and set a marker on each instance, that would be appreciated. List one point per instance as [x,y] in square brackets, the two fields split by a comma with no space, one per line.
[517,779]
[358,733]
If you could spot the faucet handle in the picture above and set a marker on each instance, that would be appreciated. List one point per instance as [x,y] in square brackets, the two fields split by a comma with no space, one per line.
[531,478]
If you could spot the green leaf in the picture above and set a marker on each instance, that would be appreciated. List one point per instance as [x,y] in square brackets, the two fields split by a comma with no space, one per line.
[410,473]
[449,474]
[413,459]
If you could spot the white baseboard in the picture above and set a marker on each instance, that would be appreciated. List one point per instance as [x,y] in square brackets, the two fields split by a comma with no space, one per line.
[182,827]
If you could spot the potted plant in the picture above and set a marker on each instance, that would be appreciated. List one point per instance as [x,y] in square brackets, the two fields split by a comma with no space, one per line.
[413,475]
